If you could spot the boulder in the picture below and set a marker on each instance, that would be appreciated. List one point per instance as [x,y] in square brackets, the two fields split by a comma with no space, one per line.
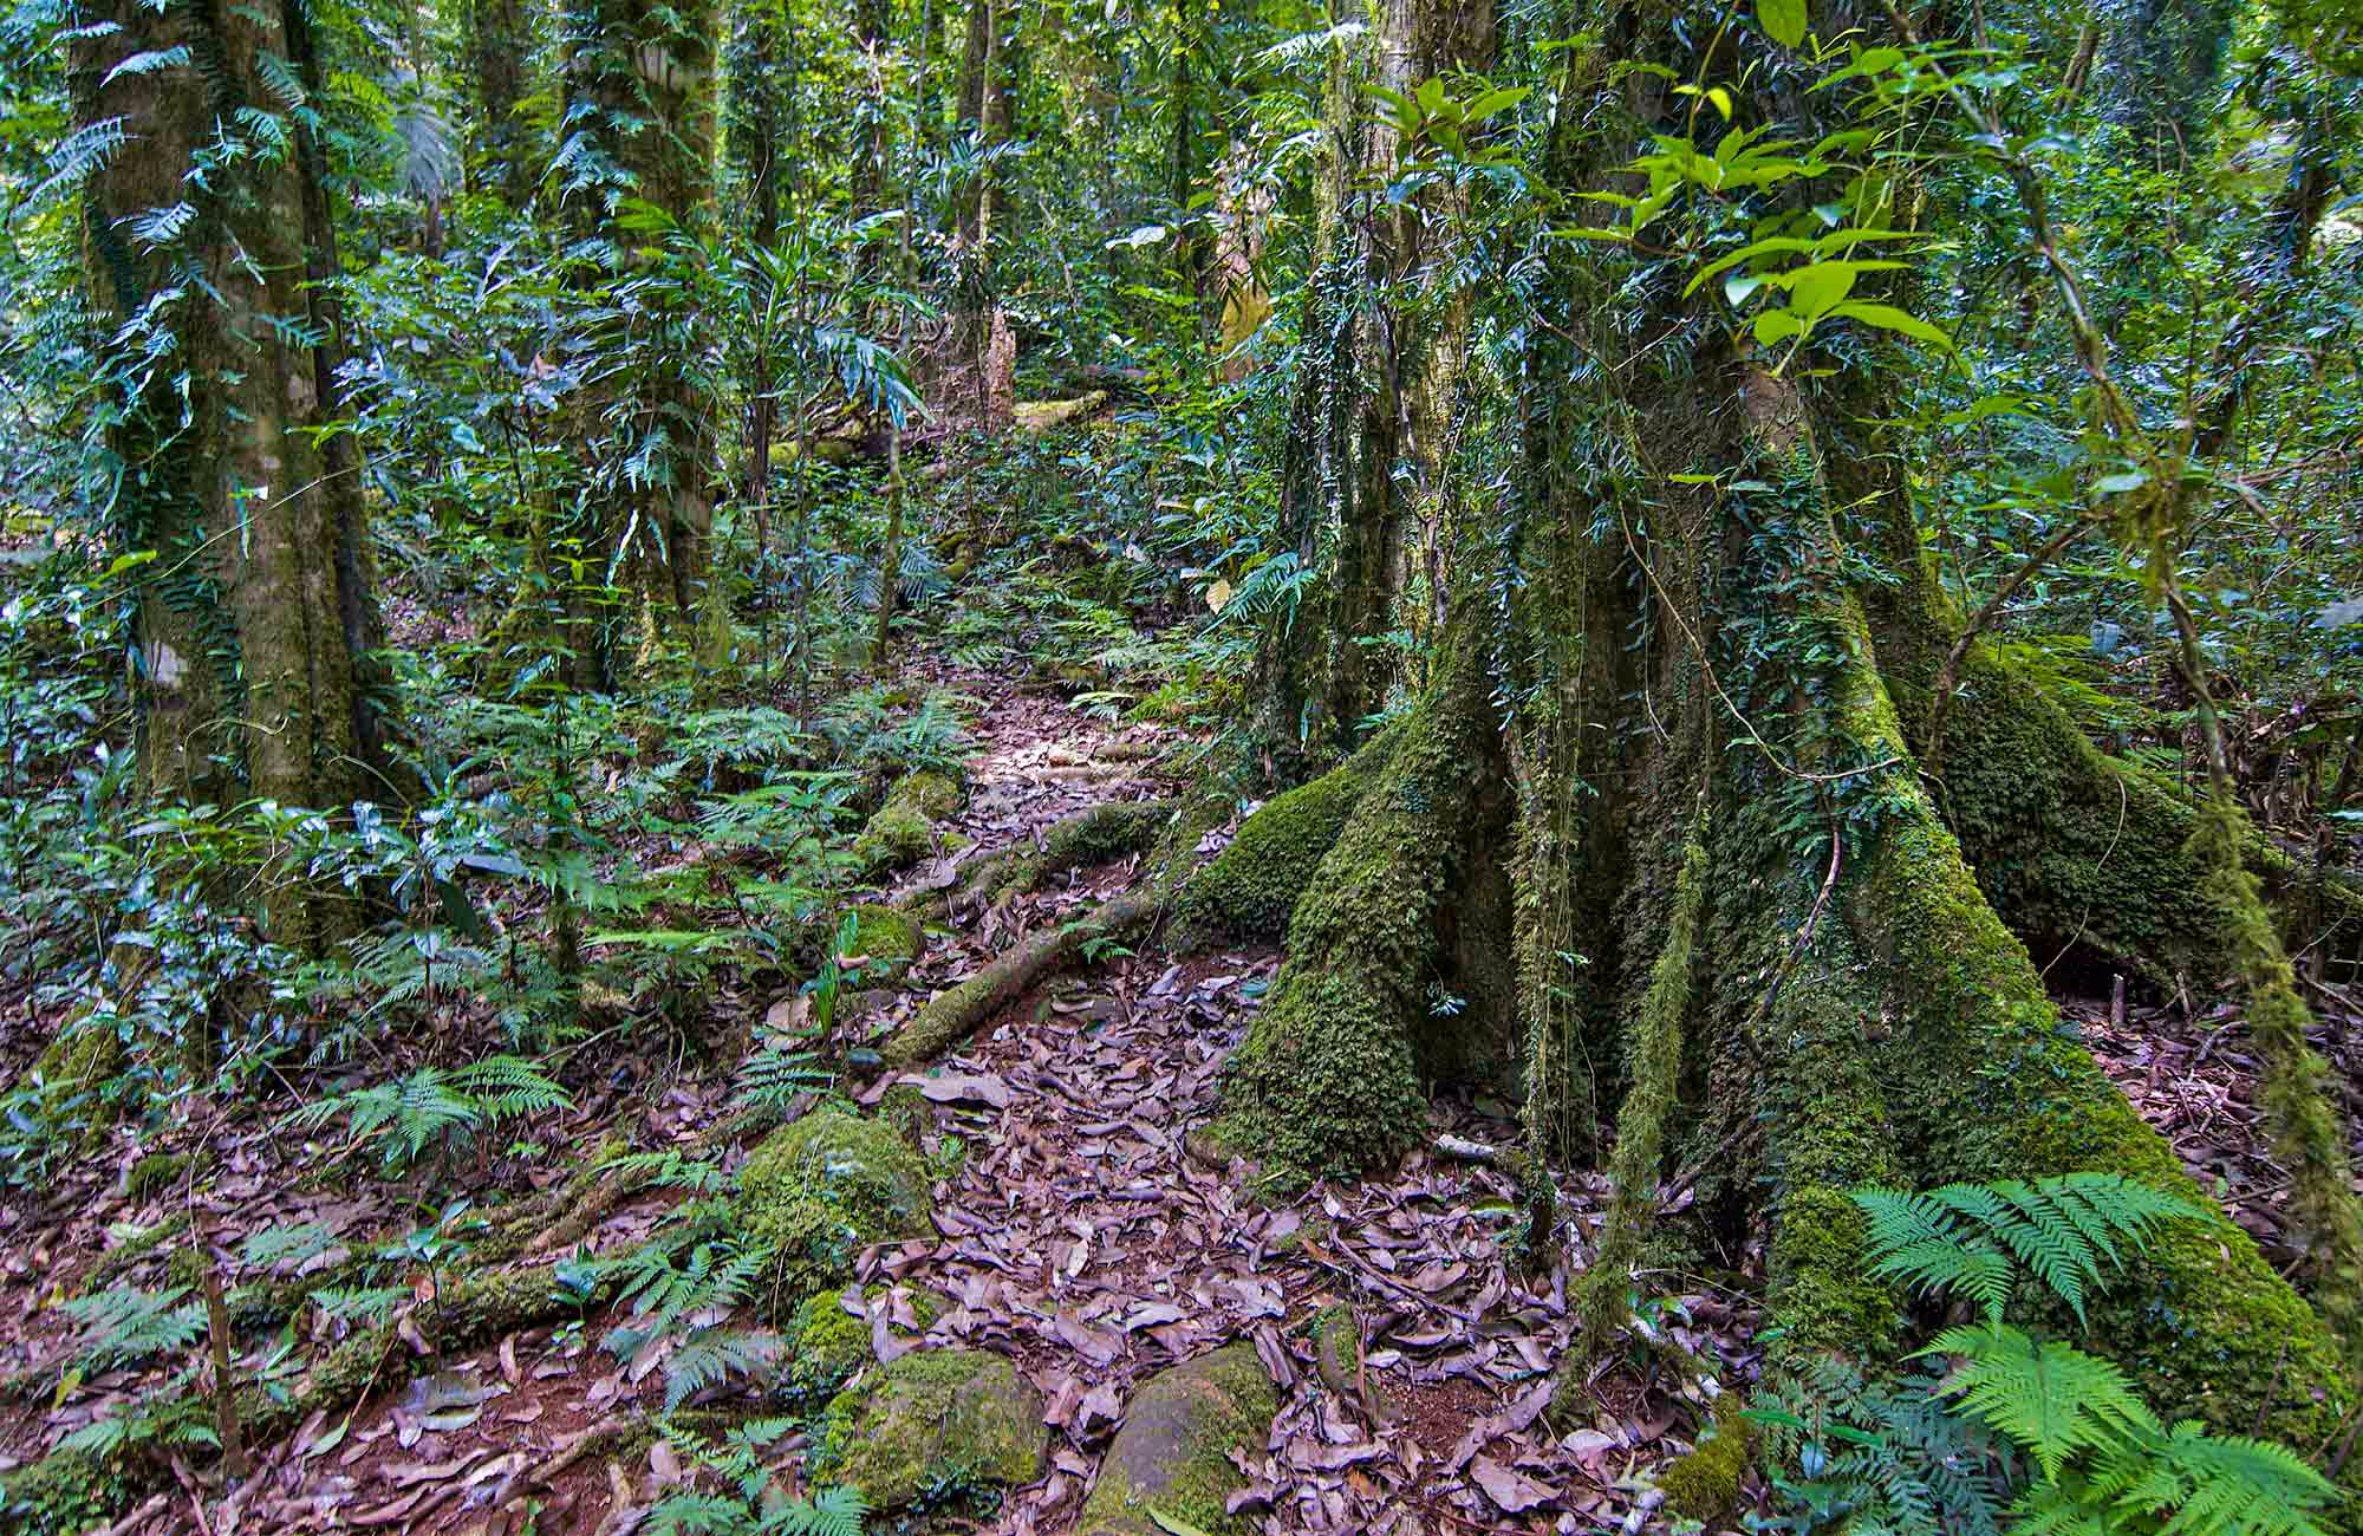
[1173,1455]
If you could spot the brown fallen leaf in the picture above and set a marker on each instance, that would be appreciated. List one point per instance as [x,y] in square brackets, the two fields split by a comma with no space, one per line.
[1511,1492]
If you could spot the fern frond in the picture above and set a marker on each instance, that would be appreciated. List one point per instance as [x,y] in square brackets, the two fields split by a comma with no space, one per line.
[126,1325]
[2052,1400]
[713,1355]
[2214,1485]
[1961,1239]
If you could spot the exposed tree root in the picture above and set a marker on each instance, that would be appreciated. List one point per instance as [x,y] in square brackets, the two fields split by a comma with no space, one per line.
[956,1014]
[1329,1076]
[1098,834]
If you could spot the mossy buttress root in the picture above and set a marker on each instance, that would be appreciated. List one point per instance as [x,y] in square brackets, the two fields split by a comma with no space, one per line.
[2074,847]
[1655,1048]
[1329,1076]
[1249,890]
[2308,1136]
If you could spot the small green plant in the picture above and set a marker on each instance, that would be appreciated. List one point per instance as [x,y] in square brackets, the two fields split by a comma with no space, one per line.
[2001,1428]
[435,1108]
[681,1303]
[753,1506]
[126,1325]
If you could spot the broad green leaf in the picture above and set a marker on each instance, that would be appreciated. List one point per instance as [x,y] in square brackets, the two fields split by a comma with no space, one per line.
[1888,318]
[1783,20]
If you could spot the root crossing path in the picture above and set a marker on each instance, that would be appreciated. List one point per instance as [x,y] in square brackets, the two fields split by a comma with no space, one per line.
[1081,1237]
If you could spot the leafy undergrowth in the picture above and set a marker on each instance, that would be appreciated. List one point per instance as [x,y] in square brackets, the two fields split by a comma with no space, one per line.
[1075,1232]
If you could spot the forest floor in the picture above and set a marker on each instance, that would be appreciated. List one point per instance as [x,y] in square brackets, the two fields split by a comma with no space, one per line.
[1077,1233]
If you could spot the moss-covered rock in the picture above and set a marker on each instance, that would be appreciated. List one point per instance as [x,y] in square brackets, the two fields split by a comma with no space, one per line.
[885,937]
[903,831]
[1250,889]
[826,1346]
[935,1426]
[1173,1455]
[824,1188]
[895,838]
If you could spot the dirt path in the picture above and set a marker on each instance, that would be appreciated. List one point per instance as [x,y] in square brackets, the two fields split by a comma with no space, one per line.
[1082,1239]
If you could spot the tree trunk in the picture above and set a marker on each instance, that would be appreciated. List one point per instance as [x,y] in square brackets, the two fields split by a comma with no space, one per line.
[500,42]
[1362,469]
[253,617]
[640,100]
[982,340]
[1691,676]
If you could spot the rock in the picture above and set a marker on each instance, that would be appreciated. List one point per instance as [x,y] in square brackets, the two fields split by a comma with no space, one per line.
[823,1189]
[936,1424]
[1173,1455]
[886,938]
[904,829]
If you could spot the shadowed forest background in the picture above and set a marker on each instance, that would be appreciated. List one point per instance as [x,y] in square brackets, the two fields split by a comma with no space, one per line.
[1189,766]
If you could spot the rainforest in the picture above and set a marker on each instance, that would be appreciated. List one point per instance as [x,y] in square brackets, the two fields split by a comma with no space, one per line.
[1210,767]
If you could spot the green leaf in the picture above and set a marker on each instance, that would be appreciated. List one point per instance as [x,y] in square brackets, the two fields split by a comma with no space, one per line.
[1888,318]
[1783,20]
[1817,289]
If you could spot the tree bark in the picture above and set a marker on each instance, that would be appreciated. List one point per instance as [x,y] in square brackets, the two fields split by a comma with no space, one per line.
[254,616]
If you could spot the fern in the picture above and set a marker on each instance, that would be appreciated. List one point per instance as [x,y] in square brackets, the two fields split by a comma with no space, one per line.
[433,1107]
[682,1302]
[1939,1454]
[2052,1400]
[1969,1239]
[773,1077]
[127,1325]
[2227,1485]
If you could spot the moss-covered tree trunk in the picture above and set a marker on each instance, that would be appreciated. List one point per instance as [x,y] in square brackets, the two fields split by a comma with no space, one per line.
[1789,971]
[1385,329]
[640,117]
[254,615]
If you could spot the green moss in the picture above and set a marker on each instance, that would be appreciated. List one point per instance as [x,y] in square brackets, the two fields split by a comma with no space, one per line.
[1173,1456]
[155,1174]
[63,1493]
[1655,1046]
[933,795]
[1704,1485]
[2068,843]
[895,838]
[826,1345]
[1328,1078]
[1113,829]
[933,1426]
[886,935]
[1251,888]
[824,1188]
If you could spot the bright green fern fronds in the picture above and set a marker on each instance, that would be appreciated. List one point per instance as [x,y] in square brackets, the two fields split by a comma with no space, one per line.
[2052,1400]
[1968,1240]
[2211,1485]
